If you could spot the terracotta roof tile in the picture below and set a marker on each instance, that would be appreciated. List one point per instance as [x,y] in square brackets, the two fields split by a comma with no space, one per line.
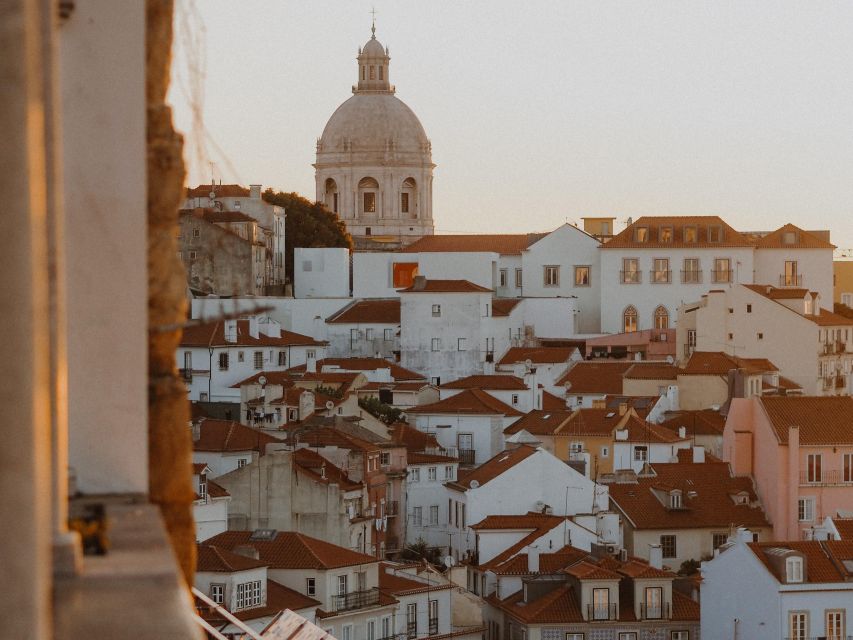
[550,402]
[824,558]
[214,559]
[592,376]
[468,402]
[215,490]
[221,190]
[413,439]
[652,371]
[291,550]
[824,420]
[702,224]
[560,606]
[591,571]
[845,527]
[549,563]
[706,493]
[491,382]
[445,286]
[215,216]
[640,569]
[717,363]
[530,520]
[212,334]
[505,244]
[328,365]
[802,240]
[540,422]
[537,355]
[494,467]
[703,422]
[684,608]
[417,457]
[593,422]
[400,585]
[502,307]
[385,311]
[226,435]
[642,431]
[323,470]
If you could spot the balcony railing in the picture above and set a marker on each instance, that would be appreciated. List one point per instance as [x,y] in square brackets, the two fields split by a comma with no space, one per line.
[601,612]
[392,507]
[721,276]
[791,280]
[355,600]
[466,456]
[577,456]
[433,626]
[691,277]
[831,477]
[630,277]
[659,276]
[654,612]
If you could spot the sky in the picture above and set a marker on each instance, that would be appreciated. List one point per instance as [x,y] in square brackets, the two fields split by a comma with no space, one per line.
[545,111]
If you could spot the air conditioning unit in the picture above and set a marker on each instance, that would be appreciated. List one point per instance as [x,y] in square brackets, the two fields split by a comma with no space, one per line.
[610,548]
[623,555]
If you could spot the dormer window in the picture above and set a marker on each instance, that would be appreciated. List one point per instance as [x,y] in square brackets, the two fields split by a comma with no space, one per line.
[202,486]
[794,569]
[789,237]
[675,499]
[665,234]
[641,234]
[690,234]
[715,233]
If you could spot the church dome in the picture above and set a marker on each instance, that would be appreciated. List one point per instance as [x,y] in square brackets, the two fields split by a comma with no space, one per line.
[373,48]
[370,121]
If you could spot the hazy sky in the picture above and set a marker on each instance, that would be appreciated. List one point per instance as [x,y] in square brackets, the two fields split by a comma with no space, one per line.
[545,111]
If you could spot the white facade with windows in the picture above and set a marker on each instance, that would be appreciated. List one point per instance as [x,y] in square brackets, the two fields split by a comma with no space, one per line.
[320,272]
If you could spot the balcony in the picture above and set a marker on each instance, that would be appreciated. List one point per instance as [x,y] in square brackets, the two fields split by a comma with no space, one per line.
[791,280]
[466,457]
[601,612]
[577,456]
[831,478]
[392,507]
[654,611]
[660,276]
[355,600]
[691,277]
[722,275]
[630,277]
[433,626]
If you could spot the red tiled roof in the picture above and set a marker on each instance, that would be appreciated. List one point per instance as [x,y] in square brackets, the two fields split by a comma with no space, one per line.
[417,457]
[636,568]
[502,307]
[824,318]
[291,550]
[706,494]
[540,422]
[494,467]
[214,215]
[221,190]
[215,490]
[385,311]
[329,437]
[279,598]
[445,286]
[703,224]
[596,377]
[399,585]
[824,420]
[492,382]
[199,467]
[803,239]
[559,606]
[414,440]
[537,355]
[214,559]
[684,608]
[323,470]
[226,435]
[505,244]
[398,372]
[703,422]
[468,402]
[823,558]
[717,363]
[550,402]
[595,422]
[652,371]
[829,318]
[845,527]
[591,571]
[212,334]
[549,563]
[530,520]
[643,431]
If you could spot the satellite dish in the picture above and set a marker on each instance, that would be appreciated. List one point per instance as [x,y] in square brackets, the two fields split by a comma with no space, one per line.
[403,417]
[330,405]
[262,380]
[474,484]
[669,360]
[212,195]
[568,386]
[528,363]
[449,561]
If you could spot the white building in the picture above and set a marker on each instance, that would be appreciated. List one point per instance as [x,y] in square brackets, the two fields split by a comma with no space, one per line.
[320,272]
[521,394]
[374,160]
[796,590]
[215,356]
[365,328]
[640,442]
[210,509]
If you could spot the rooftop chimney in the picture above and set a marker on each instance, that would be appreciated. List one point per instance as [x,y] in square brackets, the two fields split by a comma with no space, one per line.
[195,428]
[255,191]
[656,556]
[253,327]
[311,364]
[623,408]
[419,284]
[698,454]
[306,404]
[533,558]
[230,329]
[247,551]
[682,432]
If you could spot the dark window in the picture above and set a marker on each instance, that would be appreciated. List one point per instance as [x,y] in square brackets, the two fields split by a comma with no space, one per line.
[668,547]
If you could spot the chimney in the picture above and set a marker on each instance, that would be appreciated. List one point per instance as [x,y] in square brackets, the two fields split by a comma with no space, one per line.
[419,284]
[247,551]
[743,535]
[682,432]
[255,191]
[195,428]
[311,364]
[623,408]
[230,329]
[656,556]
[253,327]
[306,404]
[698,454]
[533,558]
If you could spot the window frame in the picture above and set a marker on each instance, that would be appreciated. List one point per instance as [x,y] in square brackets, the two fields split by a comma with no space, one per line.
[217,587]
[311,586]
[435,344]
[580,269]
[636,274]
[518,278]
[669,545]
[548,271]
[436,311]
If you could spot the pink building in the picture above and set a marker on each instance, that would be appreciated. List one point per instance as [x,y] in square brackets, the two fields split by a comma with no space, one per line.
[799,451]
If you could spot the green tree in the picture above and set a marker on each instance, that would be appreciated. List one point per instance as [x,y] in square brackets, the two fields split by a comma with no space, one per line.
[384,412]
[307,224]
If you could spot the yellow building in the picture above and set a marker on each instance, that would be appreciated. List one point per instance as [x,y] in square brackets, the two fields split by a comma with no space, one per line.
[842,281]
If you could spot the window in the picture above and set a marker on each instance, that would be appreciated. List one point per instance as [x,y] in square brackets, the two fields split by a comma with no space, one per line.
[371,629]
[385,458]
[661,272]
[813,467]
[217,593]
[435,381]
[835,625]
[311,586]
[436,311]
[196,233]
[668,546]
[641,453]
[388,335]
[386,627]
[600,604]
[629,320]
[581,276]
[690,273]
[223,362]
[691,234]
[342,585]
[798,625]
[514,399]
[417,516]
[848,467]
[346,632]
[202,486]
[431,474]
[680,635]
[759,336]
[433,617]
[433,514]
[404,202]
[372,72]
[605,452]
[412,620]
[722,270]
[282,358]
[518,278]
[574,636]
[675,500]
[415,475]
[627,635]
[552,276]
[368,334]
[259,359]
[791,278]
[719,539]
[248,594]
[502,274]
[236,204]
[241,463]
[202,397]
[805,509]
[448,472]
[369,202]
[193,255]
[436,344]
[630,270]
[715,233]
[665,235]
[367,231]
[460,344]
[661,318]
[794,569]
[749,308]
[641,234]
[653,602]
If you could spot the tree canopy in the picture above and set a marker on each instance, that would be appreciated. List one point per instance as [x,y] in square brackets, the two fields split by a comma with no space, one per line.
[307,224]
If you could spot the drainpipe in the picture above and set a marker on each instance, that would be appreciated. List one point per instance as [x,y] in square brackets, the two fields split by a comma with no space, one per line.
[209,372]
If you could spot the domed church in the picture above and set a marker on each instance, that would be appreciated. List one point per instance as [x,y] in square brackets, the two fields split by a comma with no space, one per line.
[374,160]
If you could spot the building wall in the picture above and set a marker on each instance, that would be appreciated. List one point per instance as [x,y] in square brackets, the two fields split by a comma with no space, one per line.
[372,340]
[813,265]
[321,272]
[702,392]
[217,261]
[486,431]
[842,273]
[211,517]
[690,544]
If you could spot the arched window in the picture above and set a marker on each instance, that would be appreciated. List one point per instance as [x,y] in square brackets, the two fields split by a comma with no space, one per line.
[661,318]
[331,195]
[629,319]
[368,194]
[408,198]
